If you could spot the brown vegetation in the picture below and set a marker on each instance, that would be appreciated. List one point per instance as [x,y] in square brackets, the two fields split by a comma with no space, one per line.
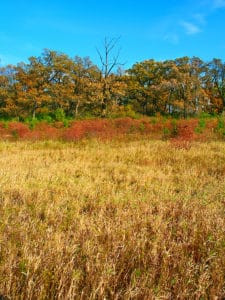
[178,131]
[112,220]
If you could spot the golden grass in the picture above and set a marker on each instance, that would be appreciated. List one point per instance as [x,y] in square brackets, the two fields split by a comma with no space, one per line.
[112,220]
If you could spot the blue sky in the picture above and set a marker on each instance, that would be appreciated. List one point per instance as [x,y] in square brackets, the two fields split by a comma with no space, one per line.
[148,29]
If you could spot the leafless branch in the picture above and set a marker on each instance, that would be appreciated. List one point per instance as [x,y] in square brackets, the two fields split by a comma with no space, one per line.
[108,60]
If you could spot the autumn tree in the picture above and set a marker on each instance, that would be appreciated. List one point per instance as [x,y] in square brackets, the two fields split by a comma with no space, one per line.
[145,78]
[185,86]
[58,76]
[167,87]
[8,103]
[83,86]
[55,81]
[31,87]
[71,83]
[215,84]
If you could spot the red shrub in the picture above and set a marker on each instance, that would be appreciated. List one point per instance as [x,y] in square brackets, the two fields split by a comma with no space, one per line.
[59,124]
[128,126]
[123,124]
[75,132]
[89,128]
[157,127]
[180,132]
[44,131]
[2,130]
[94,127]
[18,130]
[185,133]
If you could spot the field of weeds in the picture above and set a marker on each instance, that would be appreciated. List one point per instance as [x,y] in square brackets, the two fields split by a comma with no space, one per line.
[116,219]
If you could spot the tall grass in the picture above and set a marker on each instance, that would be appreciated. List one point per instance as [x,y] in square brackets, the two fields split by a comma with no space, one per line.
[112,220]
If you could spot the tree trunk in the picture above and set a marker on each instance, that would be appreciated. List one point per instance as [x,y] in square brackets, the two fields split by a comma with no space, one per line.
[34,111]
[76,108]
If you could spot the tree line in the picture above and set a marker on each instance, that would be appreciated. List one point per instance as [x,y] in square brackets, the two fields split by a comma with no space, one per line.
[75,87]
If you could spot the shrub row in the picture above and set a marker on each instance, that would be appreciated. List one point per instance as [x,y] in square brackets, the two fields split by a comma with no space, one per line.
[176,130]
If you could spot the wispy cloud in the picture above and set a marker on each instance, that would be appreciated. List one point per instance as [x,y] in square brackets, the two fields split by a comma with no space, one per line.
[190,28]
[218,3]
[200,18]
[211,5]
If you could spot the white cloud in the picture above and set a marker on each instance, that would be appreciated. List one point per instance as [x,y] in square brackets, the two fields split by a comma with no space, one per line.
[190,28]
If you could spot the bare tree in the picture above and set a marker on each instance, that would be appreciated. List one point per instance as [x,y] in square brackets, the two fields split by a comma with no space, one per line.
[109,58]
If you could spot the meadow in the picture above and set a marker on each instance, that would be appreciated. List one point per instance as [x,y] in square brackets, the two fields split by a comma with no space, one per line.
[125,218]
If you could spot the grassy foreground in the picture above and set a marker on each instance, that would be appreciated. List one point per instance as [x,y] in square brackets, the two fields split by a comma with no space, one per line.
[112,220]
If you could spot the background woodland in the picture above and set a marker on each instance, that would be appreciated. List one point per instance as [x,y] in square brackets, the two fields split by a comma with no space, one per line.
[55,86]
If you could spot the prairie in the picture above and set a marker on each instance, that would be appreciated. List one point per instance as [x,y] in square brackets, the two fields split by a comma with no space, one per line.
[116,219]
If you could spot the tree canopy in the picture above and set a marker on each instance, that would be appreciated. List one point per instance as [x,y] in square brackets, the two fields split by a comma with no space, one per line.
[79,88]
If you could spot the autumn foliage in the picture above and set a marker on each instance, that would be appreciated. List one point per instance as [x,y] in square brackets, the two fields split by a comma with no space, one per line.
[181,133]
[80,89]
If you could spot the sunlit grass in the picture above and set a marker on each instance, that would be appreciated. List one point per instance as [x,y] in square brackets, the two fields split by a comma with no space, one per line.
[112,220]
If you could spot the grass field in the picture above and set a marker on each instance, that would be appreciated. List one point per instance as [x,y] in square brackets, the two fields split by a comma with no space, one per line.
[132,219]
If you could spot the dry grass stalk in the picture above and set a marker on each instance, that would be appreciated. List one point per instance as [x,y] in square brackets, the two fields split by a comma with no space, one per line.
[113,220]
